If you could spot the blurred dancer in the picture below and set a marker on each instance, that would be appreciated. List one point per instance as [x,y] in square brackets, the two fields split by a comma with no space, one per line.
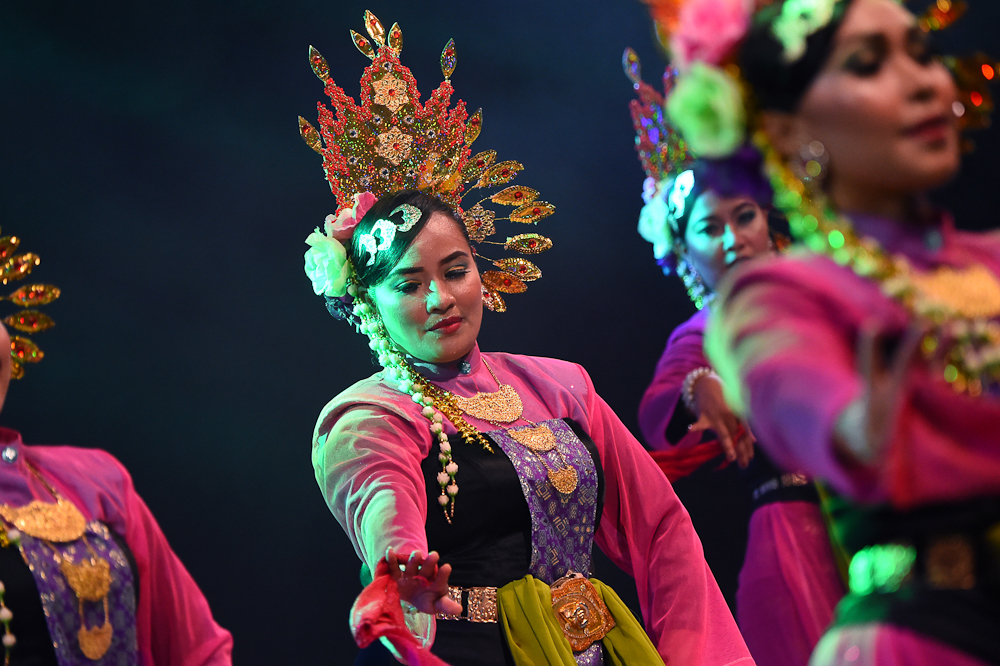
[703,218]
[86,575]
[870,360]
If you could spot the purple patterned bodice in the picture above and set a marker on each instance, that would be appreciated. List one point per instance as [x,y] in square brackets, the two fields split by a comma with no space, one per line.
[62,608]
[562,526]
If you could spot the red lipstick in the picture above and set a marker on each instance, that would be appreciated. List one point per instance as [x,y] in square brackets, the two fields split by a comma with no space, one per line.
[932,129]
[448,325]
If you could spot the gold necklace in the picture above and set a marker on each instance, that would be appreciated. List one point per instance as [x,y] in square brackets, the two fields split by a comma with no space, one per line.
[958,306]
[504,406]
[90,580]
[60,521]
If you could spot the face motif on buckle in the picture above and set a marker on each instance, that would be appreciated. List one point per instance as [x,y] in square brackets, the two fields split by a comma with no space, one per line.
[581,612]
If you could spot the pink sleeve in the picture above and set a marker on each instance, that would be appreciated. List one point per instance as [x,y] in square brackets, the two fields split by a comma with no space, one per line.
[786,355]
[647,532]
[683,354]
[174,622]
[367,463]
[785,342]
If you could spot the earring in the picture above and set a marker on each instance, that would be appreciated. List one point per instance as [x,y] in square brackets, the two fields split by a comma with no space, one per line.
[696,289]
[811,165]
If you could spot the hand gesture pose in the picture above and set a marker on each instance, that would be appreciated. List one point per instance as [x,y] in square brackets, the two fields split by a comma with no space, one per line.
[422,582]
[714,414]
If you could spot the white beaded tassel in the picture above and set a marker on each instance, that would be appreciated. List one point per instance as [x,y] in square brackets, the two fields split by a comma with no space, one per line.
[13,537]
[399,372]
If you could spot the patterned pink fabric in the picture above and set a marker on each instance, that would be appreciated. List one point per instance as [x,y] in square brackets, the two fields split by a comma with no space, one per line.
[367,449]
[786,335]
[174,624]
[789,584]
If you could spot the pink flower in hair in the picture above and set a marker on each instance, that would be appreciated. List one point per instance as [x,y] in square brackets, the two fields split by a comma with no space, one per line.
[342,226]
[709,30]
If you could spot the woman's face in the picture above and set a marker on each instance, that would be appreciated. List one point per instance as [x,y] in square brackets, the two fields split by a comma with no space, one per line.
[432,302]
[883,109]
[722,232]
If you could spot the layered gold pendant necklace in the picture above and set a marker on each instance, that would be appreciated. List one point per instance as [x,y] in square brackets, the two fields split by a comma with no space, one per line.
[90,579]
[503,407]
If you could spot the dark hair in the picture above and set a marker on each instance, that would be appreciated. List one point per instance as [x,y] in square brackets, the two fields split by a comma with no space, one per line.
[387,259]
[739,175]
[780,85]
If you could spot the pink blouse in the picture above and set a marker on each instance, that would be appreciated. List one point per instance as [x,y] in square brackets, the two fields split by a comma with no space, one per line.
[174,624]
[785,343]
[370,440]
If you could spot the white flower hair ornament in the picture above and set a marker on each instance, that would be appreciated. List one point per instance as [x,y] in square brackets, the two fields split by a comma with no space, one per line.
[659,218]
[327,265]
[798,20]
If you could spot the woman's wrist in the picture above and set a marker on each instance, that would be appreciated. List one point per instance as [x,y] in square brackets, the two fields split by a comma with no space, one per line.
[690,381]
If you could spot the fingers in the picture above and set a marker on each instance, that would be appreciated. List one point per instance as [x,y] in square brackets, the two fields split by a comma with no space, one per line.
[428,569]
[393,562]
[413,564]
[744,450]
[440,584]
[908,349]
[870,362]
[699,425]
[726,441]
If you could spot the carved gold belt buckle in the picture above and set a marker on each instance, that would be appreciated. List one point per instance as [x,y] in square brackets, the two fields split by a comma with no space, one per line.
[581,612]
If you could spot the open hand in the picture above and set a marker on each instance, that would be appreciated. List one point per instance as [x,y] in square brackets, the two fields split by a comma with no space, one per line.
[714,414]
[866,425]
[422,582]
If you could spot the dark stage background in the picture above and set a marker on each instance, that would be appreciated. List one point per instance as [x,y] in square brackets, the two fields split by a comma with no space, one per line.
[151,157]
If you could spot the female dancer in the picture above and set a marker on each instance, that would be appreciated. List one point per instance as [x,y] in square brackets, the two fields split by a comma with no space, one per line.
[869,362]
[86,575]
[704,219]
[506,467]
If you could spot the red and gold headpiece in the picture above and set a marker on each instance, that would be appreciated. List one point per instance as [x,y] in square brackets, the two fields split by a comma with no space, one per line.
[392,142]
[14,267]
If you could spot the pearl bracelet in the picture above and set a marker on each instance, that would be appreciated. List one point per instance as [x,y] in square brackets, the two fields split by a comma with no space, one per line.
[687,388]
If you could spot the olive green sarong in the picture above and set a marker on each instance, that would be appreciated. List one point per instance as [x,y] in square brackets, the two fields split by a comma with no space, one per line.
[535,636]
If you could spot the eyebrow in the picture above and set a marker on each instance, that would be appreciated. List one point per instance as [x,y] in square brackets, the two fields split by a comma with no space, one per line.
[419,269]
[869,38]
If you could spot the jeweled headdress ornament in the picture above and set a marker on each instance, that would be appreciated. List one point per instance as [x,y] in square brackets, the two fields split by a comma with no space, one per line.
[670,188]
[392,142]
[15,267]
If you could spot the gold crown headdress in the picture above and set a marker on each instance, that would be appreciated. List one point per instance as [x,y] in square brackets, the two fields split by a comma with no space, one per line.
[662,150]
[15,267]
[392,142]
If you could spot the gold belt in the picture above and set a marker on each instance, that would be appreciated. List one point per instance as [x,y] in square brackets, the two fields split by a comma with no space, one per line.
[479,604]
[579,609]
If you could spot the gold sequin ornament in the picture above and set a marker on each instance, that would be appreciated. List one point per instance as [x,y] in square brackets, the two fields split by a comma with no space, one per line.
[972,292]
[58,521]
[392,141]
[28,320]
[90,579]
[504,406]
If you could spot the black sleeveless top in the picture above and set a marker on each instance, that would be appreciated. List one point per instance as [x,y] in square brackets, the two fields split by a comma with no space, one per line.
[488,544]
